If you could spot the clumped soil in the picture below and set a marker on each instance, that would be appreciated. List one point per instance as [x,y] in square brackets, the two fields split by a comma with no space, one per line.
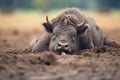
[17,62]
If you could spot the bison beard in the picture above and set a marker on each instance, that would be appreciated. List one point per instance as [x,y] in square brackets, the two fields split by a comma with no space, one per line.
[69,32]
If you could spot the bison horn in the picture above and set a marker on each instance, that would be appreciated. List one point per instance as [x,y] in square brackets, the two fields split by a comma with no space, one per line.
[48,20]
[82,23]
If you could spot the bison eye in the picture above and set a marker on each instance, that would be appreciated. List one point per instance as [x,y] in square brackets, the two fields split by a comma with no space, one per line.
[54,36]
[73,37]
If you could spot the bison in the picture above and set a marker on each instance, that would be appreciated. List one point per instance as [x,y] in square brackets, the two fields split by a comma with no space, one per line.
[69,32]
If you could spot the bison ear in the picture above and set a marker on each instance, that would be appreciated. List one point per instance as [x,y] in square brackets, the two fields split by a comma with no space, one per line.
[48,27]
[83,30]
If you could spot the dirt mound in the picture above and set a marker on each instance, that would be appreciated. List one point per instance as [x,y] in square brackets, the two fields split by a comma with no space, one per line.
[17,62]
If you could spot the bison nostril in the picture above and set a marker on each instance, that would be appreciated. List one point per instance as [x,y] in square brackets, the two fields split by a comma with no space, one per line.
[66,46]
[59,44]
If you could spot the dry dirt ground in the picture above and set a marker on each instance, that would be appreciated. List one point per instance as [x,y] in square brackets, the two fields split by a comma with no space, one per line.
[17,62]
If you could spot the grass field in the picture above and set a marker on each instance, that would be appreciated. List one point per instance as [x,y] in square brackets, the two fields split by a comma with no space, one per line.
[32,19]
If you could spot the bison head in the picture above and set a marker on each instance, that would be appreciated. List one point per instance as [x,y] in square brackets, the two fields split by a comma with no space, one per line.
[65,31]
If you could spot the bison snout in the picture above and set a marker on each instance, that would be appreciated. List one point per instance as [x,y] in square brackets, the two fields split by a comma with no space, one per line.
[62,46]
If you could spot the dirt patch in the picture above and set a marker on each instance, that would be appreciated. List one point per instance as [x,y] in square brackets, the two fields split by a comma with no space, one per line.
[17,62]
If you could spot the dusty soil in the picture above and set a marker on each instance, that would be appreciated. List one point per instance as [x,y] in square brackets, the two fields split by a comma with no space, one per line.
[17,62]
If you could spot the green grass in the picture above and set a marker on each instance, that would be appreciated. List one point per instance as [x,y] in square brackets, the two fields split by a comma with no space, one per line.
[115,12]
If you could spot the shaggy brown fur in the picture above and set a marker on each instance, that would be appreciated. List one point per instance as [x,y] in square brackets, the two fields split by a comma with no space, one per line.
[70,21]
